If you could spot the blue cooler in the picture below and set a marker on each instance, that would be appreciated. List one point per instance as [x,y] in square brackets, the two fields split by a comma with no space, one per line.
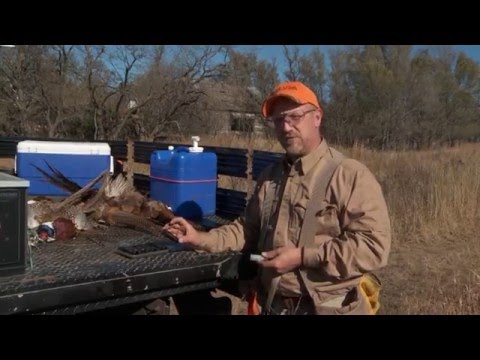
[79,161]
[185,179]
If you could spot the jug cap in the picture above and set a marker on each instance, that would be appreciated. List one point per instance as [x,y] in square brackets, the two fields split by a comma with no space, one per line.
[195,147]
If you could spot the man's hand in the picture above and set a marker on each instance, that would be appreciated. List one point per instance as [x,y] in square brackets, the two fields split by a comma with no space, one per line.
[283,259]
[184,231]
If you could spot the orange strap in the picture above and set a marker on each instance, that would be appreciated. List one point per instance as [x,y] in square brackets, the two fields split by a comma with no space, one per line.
[253,307]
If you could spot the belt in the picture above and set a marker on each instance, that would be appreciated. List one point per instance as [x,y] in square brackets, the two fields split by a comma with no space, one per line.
[293,303]
[288,301]
[288,305]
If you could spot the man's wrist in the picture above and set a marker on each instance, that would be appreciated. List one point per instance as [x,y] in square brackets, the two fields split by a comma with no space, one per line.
[206,241]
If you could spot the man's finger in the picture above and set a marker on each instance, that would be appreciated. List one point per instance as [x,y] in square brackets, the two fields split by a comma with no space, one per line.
[175,232]
[178,220]
[177,227]
[270,254]
[266,263]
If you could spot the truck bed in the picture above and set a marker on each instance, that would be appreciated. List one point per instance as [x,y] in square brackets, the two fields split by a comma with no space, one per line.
[86,274]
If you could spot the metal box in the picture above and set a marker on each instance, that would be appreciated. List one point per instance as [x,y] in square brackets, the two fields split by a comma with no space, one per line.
[13,225]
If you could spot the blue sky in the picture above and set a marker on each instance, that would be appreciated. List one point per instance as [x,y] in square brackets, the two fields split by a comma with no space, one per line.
[471,50]
[269,52]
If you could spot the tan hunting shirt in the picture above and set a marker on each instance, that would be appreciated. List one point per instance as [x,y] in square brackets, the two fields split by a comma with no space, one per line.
[353,235]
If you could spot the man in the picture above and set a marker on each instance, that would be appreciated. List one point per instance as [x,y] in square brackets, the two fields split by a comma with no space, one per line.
[315,263]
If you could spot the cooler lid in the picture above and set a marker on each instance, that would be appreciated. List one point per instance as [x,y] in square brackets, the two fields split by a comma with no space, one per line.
[10,181]
[63,147]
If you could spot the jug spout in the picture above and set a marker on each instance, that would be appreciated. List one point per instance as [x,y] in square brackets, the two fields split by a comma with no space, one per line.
[195,147]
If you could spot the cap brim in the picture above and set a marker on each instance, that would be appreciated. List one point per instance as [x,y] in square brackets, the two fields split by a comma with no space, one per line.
[267,104]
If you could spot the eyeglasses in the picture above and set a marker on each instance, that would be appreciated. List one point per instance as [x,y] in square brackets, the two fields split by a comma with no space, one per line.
[291,119]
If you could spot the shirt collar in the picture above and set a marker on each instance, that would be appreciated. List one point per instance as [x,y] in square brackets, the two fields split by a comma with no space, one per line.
[304,164]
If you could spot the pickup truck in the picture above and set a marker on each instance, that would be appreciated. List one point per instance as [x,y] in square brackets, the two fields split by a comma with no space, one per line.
[92,274]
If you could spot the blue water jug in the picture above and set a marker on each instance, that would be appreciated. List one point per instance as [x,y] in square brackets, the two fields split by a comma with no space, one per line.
[185,179]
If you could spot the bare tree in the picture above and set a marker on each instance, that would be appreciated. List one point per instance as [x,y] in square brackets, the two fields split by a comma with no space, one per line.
[59,99]
[18,94]
[309,68]
[109,77]
[246,70]
[175,85]
[292,56]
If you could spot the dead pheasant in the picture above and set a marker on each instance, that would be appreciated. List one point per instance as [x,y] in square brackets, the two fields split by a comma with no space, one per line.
[72,207]
[115,203]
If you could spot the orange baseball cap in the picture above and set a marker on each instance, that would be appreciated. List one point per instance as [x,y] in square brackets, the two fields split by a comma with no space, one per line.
[293,90]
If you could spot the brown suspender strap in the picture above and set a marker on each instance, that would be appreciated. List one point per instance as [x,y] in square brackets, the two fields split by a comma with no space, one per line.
[315,205]
[269,209]
[270,203]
